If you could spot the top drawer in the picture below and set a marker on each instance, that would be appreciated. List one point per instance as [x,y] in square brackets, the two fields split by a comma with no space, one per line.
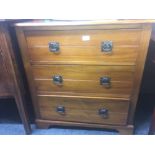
[95,46]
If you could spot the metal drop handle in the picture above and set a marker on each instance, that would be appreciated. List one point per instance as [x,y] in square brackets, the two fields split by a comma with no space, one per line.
[57,79]
[105,81]
[60,109]
[54,47]
[106,46]
[103,112]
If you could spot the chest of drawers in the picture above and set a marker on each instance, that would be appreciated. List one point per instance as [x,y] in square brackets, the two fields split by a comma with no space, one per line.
[85,73]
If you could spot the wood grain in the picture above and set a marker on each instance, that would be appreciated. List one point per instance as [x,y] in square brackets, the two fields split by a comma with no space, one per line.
[83,110]
[84,72]
[74,37]
[84,79]
[76,86]
[27,67]
[81,63]
[72,54]
[4,78]
[73,48]
[122,129]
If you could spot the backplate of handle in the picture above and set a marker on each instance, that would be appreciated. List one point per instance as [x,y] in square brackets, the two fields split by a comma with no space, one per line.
[60,109]
[106,46]
[105,81]
[57,79]
[54,47]
[103,112]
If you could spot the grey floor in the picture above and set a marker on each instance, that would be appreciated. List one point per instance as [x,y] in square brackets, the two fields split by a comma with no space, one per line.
[10,123]
[17,129]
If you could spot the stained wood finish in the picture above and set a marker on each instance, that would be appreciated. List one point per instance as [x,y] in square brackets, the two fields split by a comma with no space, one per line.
[10,78]
[83,110]
[117,89]
[85,79]
[83,72]
[123,130]
[126,63]
[73,48]
[126,37]
[78,55]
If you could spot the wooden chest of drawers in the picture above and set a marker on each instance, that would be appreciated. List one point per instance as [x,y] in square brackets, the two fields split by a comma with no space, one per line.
[85,73]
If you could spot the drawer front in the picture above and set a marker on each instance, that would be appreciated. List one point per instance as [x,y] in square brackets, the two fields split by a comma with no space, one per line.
[85,79]
[79,72]
[84,45]
[118,89]
[83,110]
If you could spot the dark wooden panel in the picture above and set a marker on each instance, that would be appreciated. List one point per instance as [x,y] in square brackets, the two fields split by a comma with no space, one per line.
[10,80]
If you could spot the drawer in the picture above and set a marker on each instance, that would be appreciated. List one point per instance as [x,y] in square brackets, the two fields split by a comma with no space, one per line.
[86,72]
[102,111]
[85,79]
[83,46]
[117,89]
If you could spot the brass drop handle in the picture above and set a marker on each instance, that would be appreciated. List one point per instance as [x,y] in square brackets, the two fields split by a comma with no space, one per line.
[57,79]
[106,46]
[54,47]
[103,112]
[60,109]
[105,81]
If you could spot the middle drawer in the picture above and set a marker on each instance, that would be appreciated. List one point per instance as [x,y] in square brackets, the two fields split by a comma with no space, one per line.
[104,80]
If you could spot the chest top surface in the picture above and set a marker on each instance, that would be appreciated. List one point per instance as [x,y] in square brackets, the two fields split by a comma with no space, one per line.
[83,22]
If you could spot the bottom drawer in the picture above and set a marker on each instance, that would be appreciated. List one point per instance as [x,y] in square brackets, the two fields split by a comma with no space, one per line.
[86,110]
